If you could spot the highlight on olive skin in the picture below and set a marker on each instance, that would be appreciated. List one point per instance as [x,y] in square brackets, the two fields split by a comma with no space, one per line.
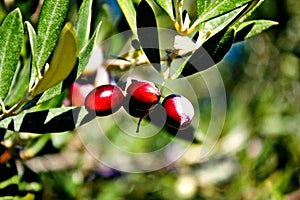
[104,100]
[180,111]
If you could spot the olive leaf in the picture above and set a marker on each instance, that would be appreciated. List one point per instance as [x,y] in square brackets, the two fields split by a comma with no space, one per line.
[251,8]
[201,6]
[217,24]
[83,23]
[85,53]
[11,40]
[211,52]
[220,7]
[129,11]
[20,84]
[167,6]
[62,62]
[148,33]
[83,56]
[251,28]
[48,121]
[49,26]
[33,47]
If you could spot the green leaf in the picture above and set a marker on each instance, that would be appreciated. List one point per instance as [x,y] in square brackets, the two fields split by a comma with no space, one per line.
[220,7]
[210,53]
[217,24]
[129,13]
[84,55]
[11,40]
[48,121]
[51,93]
[62,62]
[167,6]
[251,8]
[251,28]
[20,84]
[201,6]
[83,23]
[32,42]
[50,22]
[148,33]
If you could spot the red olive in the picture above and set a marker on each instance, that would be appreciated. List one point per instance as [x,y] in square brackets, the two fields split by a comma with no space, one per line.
[180,111]
[104,100]
[141,97]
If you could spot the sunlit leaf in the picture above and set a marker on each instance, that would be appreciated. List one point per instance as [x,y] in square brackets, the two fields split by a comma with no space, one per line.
[251,28]
[220,7]
[148,33]
[217,24]
[84,55]
[167,6]
[51,19]
[62,62]
[83,23]
[11,40]
[201,6]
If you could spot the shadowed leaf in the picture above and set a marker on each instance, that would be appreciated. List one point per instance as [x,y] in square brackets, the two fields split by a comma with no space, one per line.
[212,52]
[148,33]
[47,121]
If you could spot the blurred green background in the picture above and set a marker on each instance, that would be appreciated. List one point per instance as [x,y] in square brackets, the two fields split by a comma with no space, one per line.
[256,157]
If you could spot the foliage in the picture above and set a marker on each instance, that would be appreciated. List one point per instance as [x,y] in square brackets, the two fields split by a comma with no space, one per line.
[41,58]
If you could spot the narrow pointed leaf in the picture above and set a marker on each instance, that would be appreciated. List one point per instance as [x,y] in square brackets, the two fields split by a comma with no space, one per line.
[148,33]
[62,62]
[33,48]
[84,55]
[251,8]
[212,52]
[83,23]
[47,121]
[11,40]
[217,24]
[50,22]
[167,6]
[20,85]
[220,7]
[251,28]
[129,12]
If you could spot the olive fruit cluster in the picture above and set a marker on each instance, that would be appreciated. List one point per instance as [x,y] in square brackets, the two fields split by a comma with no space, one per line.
[141,99]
